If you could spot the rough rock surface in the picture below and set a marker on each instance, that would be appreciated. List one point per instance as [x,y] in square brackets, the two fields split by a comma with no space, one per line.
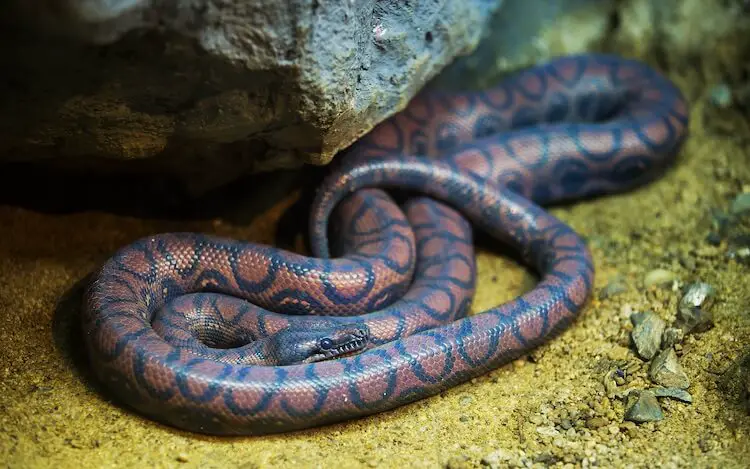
[239,86]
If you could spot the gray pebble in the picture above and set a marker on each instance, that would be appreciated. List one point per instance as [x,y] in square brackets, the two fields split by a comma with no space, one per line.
[671,337]
[721,95]
[647,333]
[694,314]
[666,371]
[674,393]
[643,407]
[699,295]
[740,204]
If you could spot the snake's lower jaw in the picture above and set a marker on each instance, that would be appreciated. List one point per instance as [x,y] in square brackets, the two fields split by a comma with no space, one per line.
[314,359]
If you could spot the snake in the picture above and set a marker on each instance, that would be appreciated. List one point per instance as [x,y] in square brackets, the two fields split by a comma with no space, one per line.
[229,337]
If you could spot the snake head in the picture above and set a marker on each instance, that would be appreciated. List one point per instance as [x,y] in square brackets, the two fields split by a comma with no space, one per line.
[318,341]
[339,341]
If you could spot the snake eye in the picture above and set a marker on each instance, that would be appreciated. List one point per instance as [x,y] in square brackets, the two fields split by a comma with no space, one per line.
[326,344]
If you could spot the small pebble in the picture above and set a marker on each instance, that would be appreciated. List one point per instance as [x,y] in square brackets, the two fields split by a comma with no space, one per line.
[465,400]
[643,407]
[647,333]
[666,371]
[536,419]
[721,95]
[659,277]
[596,422]
[694,314]
[698,295]
[182,457]
[547,431]
[630,428]
[610,385]
[674,393]
[496,457]
[672,336]
[741,204]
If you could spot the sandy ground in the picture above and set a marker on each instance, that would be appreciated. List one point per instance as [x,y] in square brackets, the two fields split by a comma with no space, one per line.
[550,409]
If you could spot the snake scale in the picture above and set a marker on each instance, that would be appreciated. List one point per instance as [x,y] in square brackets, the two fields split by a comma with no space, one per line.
[226,337]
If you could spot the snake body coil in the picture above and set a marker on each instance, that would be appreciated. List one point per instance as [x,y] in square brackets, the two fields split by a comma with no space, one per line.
[225,337]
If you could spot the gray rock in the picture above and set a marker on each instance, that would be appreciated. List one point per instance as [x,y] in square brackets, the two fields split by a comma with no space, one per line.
[647,333]
[694,314]
[671,337]
[206,92]
[741,204]
[233,87]
[643,407]
[665,370]
[698,295]
[674,393]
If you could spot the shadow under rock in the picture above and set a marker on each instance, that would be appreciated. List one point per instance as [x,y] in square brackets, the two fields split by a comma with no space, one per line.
[55,190]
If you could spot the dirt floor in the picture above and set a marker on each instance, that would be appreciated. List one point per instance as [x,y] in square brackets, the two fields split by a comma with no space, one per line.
[555,408]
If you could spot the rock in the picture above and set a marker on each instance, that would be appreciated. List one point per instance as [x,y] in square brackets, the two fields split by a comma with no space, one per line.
[721,95]
[232,87]
[694,314]
[596,422]
[643,407]
[674,393]
[647,333]
[698,295]
[671,337]
[666,371]
[740,204]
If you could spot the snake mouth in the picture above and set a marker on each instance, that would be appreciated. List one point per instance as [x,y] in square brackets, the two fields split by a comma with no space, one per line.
[346,349]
